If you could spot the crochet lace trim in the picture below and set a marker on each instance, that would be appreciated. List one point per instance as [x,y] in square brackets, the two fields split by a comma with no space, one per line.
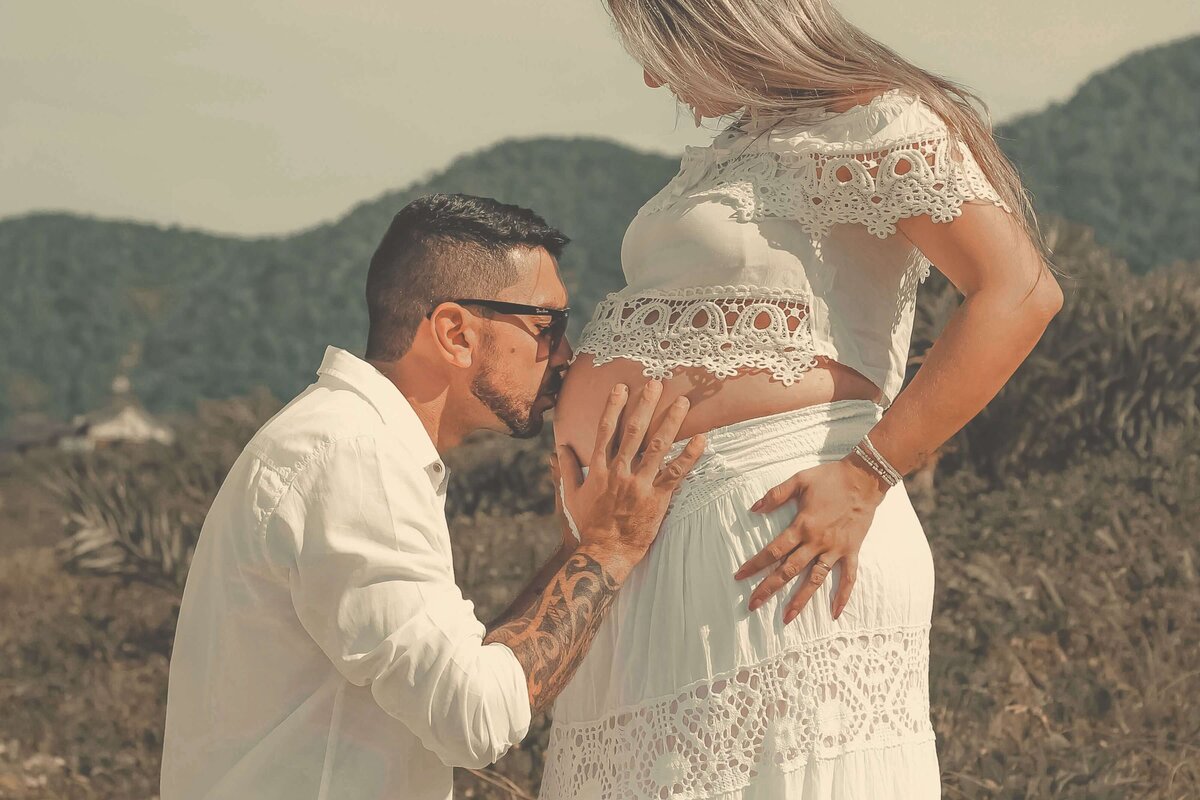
[863,690]
[821,184]
[723,329]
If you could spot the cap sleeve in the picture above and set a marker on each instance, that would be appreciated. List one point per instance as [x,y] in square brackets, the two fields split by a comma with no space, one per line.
[883,161]
[906,165]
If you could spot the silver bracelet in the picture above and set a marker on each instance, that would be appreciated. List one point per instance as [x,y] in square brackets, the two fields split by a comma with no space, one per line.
[878,469]
[866,450]
[887,465]
[874,467]
[895,473]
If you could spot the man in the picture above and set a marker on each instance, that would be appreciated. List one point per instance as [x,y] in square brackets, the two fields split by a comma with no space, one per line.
[323,649]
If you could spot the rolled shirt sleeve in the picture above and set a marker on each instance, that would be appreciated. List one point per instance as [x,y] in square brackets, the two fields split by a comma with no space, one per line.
[372,582]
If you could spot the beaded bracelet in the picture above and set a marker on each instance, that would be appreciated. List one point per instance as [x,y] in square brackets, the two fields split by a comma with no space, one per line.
[865,449]
[895,473]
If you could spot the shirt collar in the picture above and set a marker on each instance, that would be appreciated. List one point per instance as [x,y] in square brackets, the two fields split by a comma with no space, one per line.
[392,405]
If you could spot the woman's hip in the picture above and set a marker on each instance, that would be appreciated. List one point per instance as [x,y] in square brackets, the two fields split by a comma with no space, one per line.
[709,530]
[681,617]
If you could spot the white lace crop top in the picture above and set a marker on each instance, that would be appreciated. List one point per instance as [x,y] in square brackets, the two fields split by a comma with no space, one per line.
[772,247]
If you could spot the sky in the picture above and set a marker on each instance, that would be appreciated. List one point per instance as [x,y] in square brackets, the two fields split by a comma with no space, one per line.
[254,117]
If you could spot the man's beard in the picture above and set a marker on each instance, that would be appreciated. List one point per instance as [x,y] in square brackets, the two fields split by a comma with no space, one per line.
[516,414]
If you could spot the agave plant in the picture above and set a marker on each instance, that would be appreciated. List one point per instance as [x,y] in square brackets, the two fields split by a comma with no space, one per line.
[116,527]
[137,511]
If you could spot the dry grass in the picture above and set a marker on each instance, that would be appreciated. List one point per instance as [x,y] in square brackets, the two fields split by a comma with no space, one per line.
[1066,643]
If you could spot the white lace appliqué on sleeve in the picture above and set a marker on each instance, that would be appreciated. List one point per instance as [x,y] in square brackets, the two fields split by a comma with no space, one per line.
[871,184]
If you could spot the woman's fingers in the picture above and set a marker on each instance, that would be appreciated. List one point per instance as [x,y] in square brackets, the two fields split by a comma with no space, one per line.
[787,541]
[791,566]
[607,427]
[663,437]
[778,495]
[821,568]
[845,584]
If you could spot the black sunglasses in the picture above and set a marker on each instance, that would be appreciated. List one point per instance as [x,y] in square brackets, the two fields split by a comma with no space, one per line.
[553,333]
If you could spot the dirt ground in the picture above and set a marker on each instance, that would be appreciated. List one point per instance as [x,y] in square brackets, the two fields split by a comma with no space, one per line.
[1065,643]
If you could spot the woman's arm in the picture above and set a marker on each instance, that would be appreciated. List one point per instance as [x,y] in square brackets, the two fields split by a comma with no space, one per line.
[1011,296]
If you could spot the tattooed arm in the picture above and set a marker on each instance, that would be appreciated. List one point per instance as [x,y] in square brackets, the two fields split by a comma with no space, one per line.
[534,588]
[552,566]
[556,630]
[620,506]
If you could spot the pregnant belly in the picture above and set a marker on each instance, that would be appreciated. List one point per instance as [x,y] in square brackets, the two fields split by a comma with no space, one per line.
[714,401]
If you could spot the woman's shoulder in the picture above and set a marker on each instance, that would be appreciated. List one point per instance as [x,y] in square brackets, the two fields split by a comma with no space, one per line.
[870,160]
[869,120]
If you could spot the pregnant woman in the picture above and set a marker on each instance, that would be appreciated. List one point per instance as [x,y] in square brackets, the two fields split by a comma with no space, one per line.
[775,641]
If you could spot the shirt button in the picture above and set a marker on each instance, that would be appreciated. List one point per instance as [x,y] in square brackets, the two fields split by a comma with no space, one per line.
[437,467]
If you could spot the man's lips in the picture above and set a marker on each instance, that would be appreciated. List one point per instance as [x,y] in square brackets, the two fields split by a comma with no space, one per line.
[551,395]
[555,387]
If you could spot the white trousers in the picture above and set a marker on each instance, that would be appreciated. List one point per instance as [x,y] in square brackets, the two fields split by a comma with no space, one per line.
[687,695]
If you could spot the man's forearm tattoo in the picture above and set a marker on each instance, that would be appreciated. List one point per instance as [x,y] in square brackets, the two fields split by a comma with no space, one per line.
[531,592]
[552,636]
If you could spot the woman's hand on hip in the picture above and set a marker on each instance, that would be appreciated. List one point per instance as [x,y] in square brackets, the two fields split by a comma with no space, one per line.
[837,503]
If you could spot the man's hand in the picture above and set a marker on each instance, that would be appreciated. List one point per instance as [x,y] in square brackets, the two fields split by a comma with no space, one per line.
[619,508]
[621,504]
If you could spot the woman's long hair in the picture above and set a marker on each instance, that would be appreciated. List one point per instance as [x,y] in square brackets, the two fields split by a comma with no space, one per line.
[780,57]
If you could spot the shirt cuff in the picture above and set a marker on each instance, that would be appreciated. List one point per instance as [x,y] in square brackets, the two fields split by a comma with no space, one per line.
[516,690]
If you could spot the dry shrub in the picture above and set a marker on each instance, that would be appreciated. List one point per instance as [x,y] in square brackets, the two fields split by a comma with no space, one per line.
[136,511]
[1119,364]
[1067,628]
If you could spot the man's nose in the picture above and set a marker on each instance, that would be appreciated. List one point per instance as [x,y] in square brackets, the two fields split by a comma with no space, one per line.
[562,354]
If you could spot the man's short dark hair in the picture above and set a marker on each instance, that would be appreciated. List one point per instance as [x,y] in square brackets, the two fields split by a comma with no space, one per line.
[441,247]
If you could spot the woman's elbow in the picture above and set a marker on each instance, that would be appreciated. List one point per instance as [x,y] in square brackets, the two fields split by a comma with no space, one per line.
[1048,296]
[1041,300]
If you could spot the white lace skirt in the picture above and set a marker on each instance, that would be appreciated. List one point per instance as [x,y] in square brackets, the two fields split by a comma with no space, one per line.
[687,695]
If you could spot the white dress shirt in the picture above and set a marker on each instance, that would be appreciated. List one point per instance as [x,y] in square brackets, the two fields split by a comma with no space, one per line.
[323,649]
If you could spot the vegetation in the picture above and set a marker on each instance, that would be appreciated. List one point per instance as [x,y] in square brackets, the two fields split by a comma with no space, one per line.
[1067,616]
[1121,155]
[217,316]
[1067,612]
[1119,364]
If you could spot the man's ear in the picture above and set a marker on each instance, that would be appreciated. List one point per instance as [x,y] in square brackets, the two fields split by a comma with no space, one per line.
[455,334]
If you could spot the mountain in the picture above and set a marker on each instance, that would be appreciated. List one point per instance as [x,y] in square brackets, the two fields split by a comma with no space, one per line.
[215,316]
[196,315]
[1123,155]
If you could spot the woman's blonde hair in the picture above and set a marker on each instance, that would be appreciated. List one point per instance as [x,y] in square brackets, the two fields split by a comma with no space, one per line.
[779,57]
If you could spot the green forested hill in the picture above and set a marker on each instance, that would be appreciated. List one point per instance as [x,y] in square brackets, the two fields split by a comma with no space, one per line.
[216,315]
[77,292]
[1123,155]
